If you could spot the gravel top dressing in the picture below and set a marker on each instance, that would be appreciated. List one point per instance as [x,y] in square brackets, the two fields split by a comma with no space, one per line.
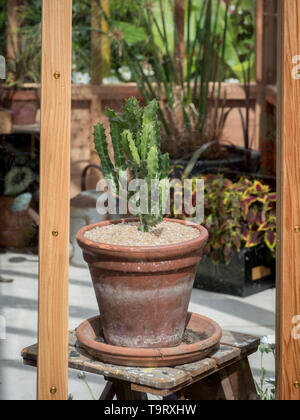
[128,234]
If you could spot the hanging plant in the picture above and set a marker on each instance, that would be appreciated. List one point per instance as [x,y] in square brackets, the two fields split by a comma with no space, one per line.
[17,180]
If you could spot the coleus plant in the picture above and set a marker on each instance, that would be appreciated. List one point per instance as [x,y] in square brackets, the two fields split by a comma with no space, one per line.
[136,141]
[238,215]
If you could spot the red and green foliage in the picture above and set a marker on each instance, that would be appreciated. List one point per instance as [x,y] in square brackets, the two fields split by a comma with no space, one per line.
[238,215]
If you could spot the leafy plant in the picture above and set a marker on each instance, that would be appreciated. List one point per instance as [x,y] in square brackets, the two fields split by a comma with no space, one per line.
[239,54]
[3,23]
[136,141]
[29,16]
[24,67]
[266,387]
[191,105]
[83,378]
[17,171]
[17,180]
[238,215]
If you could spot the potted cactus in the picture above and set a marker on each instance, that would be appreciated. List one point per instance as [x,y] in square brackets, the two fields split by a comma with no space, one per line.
[143,269]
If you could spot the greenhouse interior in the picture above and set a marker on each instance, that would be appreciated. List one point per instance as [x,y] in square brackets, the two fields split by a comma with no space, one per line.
[149,206]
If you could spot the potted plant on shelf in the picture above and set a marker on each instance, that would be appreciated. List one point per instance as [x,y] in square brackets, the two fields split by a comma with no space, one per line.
[143,270]
[21,97]
[239,257]
[23,69]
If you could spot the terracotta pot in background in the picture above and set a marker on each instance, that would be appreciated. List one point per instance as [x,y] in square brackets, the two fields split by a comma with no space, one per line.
[5,121]
[16,229]
[24,105]
[143,293]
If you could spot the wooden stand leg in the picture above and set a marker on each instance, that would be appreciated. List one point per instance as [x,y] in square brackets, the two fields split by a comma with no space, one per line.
[237,382]
[208,389]
[233,383]
[181,395]
[227,386]
[125,393]
[109,392]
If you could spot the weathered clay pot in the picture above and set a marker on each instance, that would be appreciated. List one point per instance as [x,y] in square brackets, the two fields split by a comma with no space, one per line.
[143,293]
[24,105]
[16,229]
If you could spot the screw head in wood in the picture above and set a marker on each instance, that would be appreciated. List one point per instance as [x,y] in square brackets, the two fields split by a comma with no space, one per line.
[55,233]
[297,385]
[53,390]
[297,229]
[57,75]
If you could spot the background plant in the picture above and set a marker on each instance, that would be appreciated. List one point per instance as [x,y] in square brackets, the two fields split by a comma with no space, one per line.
[136,141]
[266,387]
[191,107]
[238,215]
[18,172]
[24,67]
[240,44]
[3,22]
[125,15]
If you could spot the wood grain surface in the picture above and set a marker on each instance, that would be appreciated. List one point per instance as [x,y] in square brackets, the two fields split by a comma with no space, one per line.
[55,200]
[288,257]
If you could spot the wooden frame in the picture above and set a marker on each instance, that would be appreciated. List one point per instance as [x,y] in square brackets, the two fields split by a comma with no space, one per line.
[55,200]
[288,256]
[265,62]
[55,183]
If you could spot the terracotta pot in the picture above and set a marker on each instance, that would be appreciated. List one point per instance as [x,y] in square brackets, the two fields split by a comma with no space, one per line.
[24,112]
[16,229]
[24,105]
[5,122]
[143,293]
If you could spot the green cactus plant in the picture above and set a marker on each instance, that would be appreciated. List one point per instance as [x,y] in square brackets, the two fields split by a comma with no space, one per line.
[136,140]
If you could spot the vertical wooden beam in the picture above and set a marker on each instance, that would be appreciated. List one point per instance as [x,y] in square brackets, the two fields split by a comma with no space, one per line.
[265,64]
[288,257]
[55,200]
[100,64]
[179,47]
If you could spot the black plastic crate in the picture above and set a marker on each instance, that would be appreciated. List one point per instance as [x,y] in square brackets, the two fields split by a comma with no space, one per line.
[251,271]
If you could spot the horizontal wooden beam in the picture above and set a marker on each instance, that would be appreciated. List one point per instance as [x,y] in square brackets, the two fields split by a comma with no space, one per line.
[234,91]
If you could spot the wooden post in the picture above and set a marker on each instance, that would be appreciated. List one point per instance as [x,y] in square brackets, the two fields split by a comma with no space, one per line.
[55,200]
[179,47]
[266,63]
[288,257]
[100,64]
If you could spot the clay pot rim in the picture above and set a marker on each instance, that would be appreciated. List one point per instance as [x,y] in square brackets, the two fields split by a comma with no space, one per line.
[154,353]
[179,247]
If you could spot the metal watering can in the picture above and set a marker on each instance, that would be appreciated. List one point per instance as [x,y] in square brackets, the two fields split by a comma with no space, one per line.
[83,213]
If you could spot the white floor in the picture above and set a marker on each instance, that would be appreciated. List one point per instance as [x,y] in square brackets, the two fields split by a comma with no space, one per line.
[18,306]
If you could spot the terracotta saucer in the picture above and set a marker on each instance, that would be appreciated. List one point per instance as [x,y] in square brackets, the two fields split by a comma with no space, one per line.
[202,336]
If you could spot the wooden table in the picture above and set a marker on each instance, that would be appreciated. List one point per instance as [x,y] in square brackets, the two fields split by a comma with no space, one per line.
[225,374]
